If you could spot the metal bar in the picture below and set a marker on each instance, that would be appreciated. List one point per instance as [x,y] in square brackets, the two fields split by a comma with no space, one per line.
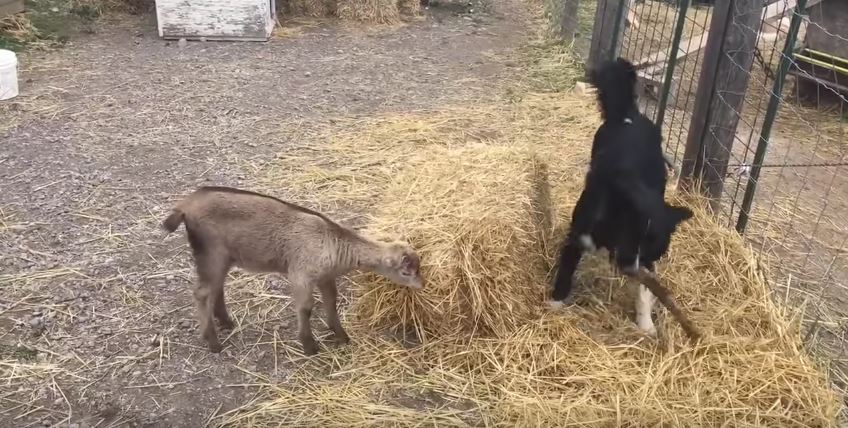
[672,60]
[822,64]
[828,56]
[768,120]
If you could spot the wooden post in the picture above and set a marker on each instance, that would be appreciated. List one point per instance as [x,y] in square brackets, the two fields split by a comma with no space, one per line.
[567,22]
[721,92]
[605,40]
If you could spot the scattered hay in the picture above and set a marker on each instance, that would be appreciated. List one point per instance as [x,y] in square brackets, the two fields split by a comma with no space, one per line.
[587,365]
[18,28]
[479,217]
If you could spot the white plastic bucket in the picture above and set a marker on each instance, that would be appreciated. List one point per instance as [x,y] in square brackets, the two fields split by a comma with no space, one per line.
[8,75]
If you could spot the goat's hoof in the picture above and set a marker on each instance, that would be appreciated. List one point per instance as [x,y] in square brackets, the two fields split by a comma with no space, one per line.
[649,330]
[227,324]
[215,347]
[555,305]
[342,339]
[310,348]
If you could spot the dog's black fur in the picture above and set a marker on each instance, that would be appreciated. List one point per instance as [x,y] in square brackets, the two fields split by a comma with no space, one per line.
[622,207]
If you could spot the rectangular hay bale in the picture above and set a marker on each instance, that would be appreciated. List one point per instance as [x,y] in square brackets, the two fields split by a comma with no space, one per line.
[479,218]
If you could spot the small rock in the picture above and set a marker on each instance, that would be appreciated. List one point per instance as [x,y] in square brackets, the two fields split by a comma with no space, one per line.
[136,373]
[185,324]
[59,401]
[182,43]
[35,323]
[307,74]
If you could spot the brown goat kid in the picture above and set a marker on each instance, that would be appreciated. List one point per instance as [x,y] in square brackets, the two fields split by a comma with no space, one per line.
[229,227]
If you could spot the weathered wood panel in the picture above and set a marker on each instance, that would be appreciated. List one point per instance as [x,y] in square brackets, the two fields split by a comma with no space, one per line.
[829,28]
[215,19]
[11,7]
[722,86]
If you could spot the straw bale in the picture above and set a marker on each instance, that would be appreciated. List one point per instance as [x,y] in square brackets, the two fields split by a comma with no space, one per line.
[409,7]
[311,8]
[587,365]
[480,217]
[373,11]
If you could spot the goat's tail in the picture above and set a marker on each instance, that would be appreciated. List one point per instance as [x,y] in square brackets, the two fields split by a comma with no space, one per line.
[173,221]
[616,84]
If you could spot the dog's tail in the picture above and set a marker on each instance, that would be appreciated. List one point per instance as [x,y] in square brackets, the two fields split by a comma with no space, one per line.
[616,84]
[173,221]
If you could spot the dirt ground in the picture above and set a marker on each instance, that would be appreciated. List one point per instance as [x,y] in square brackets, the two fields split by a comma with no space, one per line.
[97,322]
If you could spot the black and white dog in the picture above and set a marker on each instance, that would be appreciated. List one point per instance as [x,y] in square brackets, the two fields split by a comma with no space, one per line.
[622,207]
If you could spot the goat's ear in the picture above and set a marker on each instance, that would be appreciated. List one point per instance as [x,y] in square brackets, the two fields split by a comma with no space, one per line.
[593,77]
[679,214]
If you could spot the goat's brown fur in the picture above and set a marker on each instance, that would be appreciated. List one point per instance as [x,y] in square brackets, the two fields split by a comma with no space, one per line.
[229,227]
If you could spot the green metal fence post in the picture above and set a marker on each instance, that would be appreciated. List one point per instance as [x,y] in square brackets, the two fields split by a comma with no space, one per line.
[770,116]
[672,60]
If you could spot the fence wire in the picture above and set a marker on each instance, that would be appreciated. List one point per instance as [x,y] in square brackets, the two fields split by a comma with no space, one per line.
[798,215]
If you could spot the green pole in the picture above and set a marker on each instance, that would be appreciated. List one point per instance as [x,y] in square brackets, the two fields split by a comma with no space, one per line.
[771,114]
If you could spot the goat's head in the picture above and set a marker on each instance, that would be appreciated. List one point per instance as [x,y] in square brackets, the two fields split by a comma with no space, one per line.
[401,264]
[658,239]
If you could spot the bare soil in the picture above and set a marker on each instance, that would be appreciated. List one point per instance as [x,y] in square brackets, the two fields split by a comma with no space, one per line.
[97,322]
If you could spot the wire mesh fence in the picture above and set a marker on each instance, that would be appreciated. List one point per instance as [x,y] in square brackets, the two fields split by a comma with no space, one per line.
[784,170]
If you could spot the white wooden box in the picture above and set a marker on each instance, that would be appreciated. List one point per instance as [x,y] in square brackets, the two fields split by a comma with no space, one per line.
[244,20]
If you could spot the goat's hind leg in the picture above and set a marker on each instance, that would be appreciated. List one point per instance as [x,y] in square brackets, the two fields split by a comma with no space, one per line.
[305,302]
[211,275]
[218,304]
[329,294]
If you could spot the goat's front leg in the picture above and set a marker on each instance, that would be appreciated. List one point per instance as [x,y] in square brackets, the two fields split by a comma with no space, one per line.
[569,258]
[644,307]
[329,294]
[304,303]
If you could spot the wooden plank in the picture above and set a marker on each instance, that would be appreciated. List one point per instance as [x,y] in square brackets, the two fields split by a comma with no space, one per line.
[686,48]
[567,21]
[215,19]
[11,7]
[713,130]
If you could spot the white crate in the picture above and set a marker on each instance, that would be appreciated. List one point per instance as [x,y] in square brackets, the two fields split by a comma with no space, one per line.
[242,20]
